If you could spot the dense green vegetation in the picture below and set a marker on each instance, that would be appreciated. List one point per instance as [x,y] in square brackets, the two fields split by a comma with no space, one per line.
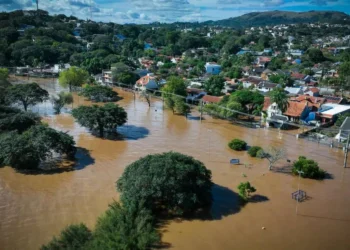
[72,237]
[99,93]
[238,145]
[309,167]
[100,118]
[170,183]
[176,183]
[34,146]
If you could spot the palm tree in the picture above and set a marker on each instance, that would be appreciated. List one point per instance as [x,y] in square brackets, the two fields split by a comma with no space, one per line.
[279,97]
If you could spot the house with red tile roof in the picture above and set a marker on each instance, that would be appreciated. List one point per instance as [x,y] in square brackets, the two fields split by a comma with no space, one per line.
[207,99]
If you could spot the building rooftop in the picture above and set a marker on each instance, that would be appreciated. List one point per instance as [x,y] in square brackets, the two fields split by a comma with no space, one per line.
[212,99]
[331,109]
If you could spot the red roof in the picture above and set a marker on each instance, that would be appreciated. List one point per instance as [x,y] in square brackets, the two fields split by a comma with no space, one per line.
[311,99]
[145,80]
[264,59]
[212,99]
[298,75]
[295,109]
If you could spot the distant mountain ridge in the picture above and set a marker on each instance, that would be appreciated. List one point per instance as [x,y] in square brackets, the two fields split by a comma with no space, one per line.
[281,17]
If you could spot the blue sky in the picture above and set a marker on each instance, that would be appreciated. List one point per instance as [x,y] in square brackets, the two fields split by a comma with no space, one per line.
[145,11]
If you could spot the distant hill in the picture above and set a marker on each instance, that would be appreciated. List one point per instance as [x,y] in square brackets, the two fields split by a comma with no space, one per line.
[281,17]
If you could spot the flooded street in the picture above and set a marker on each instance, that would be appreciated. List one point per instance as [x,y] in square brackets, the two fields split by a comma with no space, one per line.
[33,208]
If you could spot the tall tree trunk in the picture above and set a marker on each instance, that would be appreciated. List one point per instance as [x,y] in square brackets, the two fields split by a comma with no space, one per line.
[101,130]
[25,105]
[70,87]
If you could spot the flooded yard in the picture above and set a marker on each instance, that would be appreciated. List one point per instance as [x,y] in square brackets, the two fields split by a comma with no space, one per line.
[33,208]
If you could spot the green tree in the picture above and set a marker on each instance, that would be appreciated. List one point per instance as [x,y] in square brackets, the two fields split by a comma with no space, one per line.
[75,237]
[249,100]
[245,189]
[309,167]
[27,94]
[180,106]
[99,93]
[15,119]
[169,103]
[73,77]
[237,144]
[279,97]
[60,100]
[341,119]
[128,228]
[169,181]
[100,118]
[315,55]
[214,85]
[34,146]
[174,85]
[4,85]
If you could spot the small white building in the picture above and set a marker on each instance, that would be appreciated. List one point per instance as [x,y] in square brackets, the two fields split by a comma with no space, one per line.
[107,77]
[57,68]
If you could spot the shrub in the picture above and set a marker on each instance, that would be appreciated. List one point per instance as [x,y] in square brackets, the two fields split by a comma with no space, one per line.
[244,190]
[170,181]
[237,144]
[309,167]
[73,237]
[254,150]
[260,154]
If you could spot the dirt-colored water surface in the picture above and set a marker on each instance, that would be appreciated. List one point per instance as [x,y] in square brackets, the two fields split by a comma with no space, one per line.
[33,208]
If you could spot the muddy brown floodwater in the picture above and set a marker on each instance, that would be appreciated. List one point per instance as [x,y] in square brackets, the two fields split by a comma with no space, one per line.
[33,208]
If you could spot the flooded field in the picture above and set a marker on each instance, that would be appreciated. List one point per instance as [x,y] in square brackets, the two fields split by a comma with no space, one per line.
[33,208]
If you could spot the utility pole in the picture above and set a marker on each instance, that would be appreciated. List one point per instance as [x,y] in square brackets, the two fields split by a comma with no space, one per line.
[296,208]
[346,150]
[37,5]
[201,110]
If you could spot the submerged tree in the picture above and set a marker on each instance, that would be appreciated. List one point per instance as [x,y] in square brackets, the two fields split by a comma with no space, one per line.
[245,189]
[272,154]
[75,237]
[15,119]
[170,181]
[27,94]
[130,227]
[99,93]
[100,118]
[60,100]
[34,146]
[73,77]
